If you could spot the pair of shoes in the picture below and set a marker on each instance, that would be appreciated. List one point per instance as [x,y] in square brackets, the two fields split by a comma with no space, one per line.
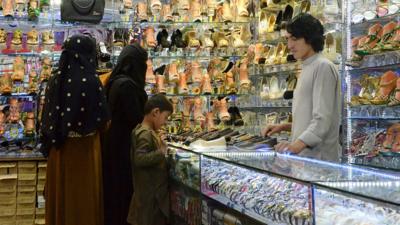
[387,86]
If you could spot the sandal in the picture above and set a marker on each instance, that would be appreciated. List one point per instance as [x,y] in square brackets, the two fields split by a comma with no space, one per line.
[395,98]
[374,35]
[30,124]
[19,69]
[388,33]
[387,84]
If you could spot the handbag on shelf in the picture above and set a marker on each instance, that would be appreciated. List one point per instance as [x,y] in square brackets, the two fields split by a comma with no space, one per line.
[90,11]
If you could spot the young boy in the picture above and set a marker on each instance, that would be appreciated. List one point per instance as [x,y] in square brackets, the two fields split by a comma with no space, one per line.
[150,201]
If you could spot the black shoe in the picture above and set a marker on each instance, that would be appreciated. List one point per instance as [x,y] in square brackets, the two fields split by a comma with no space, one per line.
[162,39]
[177,39]
[236,118]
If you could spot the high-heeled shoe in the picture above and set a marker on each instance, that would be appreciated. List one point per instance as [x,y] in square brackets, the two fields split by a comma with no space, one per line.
[244,75]
[183,88]
[184,5]
[155,5]
[210,122]
[32,37]
[173,76]
[32,86]
[150,78]
[274,91]
[46,69]
[6,84]
[230,83]
[220,40]
[33,10]
[15,111]
[17,37]
[48,38]
[195,11]
[3,36]
[166,13]
[8,8]
[177,39]
[292,81]
[127,4]
[30,124]
[19,69]
[150,39]
[206,84]
[198,109]
[223,113]
[187,106]
[196,72]
[206,41]
[142,12]
[387,85]
[160,81]
[242,8]
[191,40]
[226,12]
[236,118]
[176,114]
[162,38]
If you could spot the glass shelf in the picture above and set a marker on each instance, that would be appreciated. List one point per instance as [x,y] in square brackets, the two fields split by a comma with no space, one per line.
[366,23]
[279,73]
[374,112]
[201,95]
[377,60]
[17,95]
[372,118]
[355,70]
[258,108]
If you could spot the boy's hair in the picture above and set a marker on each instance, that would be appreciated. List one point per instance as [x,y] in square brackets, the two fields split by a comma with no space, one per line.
[158,101]
[307,27]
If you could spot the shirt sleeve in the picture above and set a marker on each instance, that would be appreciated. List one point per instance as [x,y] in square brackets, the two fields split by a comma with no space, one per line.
[323,100]
[144,151]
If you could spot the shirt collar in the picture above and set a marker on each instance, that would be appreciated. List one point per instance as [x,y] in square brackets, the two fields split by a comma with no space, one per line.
[311,59]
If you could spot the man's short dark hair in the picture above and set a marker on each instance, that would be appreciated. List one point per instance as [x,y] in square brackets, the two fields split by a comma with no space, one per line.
[308,27]
[158,101]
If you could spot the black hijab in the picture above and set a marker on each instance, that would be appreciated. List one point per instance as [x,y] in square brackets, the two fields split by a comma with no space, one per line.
[75,98]
[131,64]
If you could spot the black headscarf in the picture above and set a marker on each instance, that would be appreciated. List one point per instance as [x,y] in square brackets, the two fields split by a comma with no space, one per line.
[131,64]
[75,98]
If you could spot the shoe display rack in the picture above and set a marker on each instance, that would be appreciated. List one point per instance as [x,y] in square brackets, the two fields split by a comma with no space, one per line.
[271,188]
[273,71]
[372,101]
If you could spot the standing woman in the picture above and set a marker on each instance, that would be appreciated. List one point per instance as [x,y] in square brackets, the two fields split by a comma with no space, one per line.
[126,99]
[75,111]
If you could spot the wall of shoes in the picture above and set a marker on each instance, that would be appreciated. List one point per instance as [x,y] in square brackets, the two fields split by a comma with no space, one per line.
[372,84]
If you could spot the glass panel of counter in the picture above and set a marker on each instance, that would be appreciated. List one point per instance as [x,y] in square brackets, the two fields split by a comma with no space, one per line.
[339,208]
[268,199]
[303,169]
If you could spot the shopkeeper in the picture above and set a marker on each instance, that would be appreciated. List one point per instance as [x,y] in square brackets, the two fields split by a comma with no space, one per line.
[317,97]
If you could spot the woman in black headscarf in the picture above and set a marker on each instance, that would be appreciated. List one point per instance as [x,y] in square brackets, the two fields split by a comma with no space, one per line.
[74,111]
[126,98]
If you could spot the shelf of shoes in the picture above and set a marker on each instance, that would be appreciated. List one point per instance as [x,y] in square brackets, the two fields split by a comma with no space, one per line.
[371,80]
[20,78]
[236,187]
[375,143]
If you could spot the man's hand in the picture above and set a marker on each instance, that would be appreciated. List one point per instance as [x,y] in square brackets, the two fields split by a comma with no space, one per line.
[294,147]
[273,129]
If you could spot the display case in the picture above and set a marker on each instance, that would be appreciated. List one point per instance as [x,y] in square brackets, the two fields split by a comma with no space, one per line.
[273,188]
[371,78]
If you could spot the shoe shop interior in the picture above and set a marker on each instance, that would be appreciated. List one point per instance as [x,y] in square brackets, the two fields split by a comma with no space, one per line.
[200,112]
